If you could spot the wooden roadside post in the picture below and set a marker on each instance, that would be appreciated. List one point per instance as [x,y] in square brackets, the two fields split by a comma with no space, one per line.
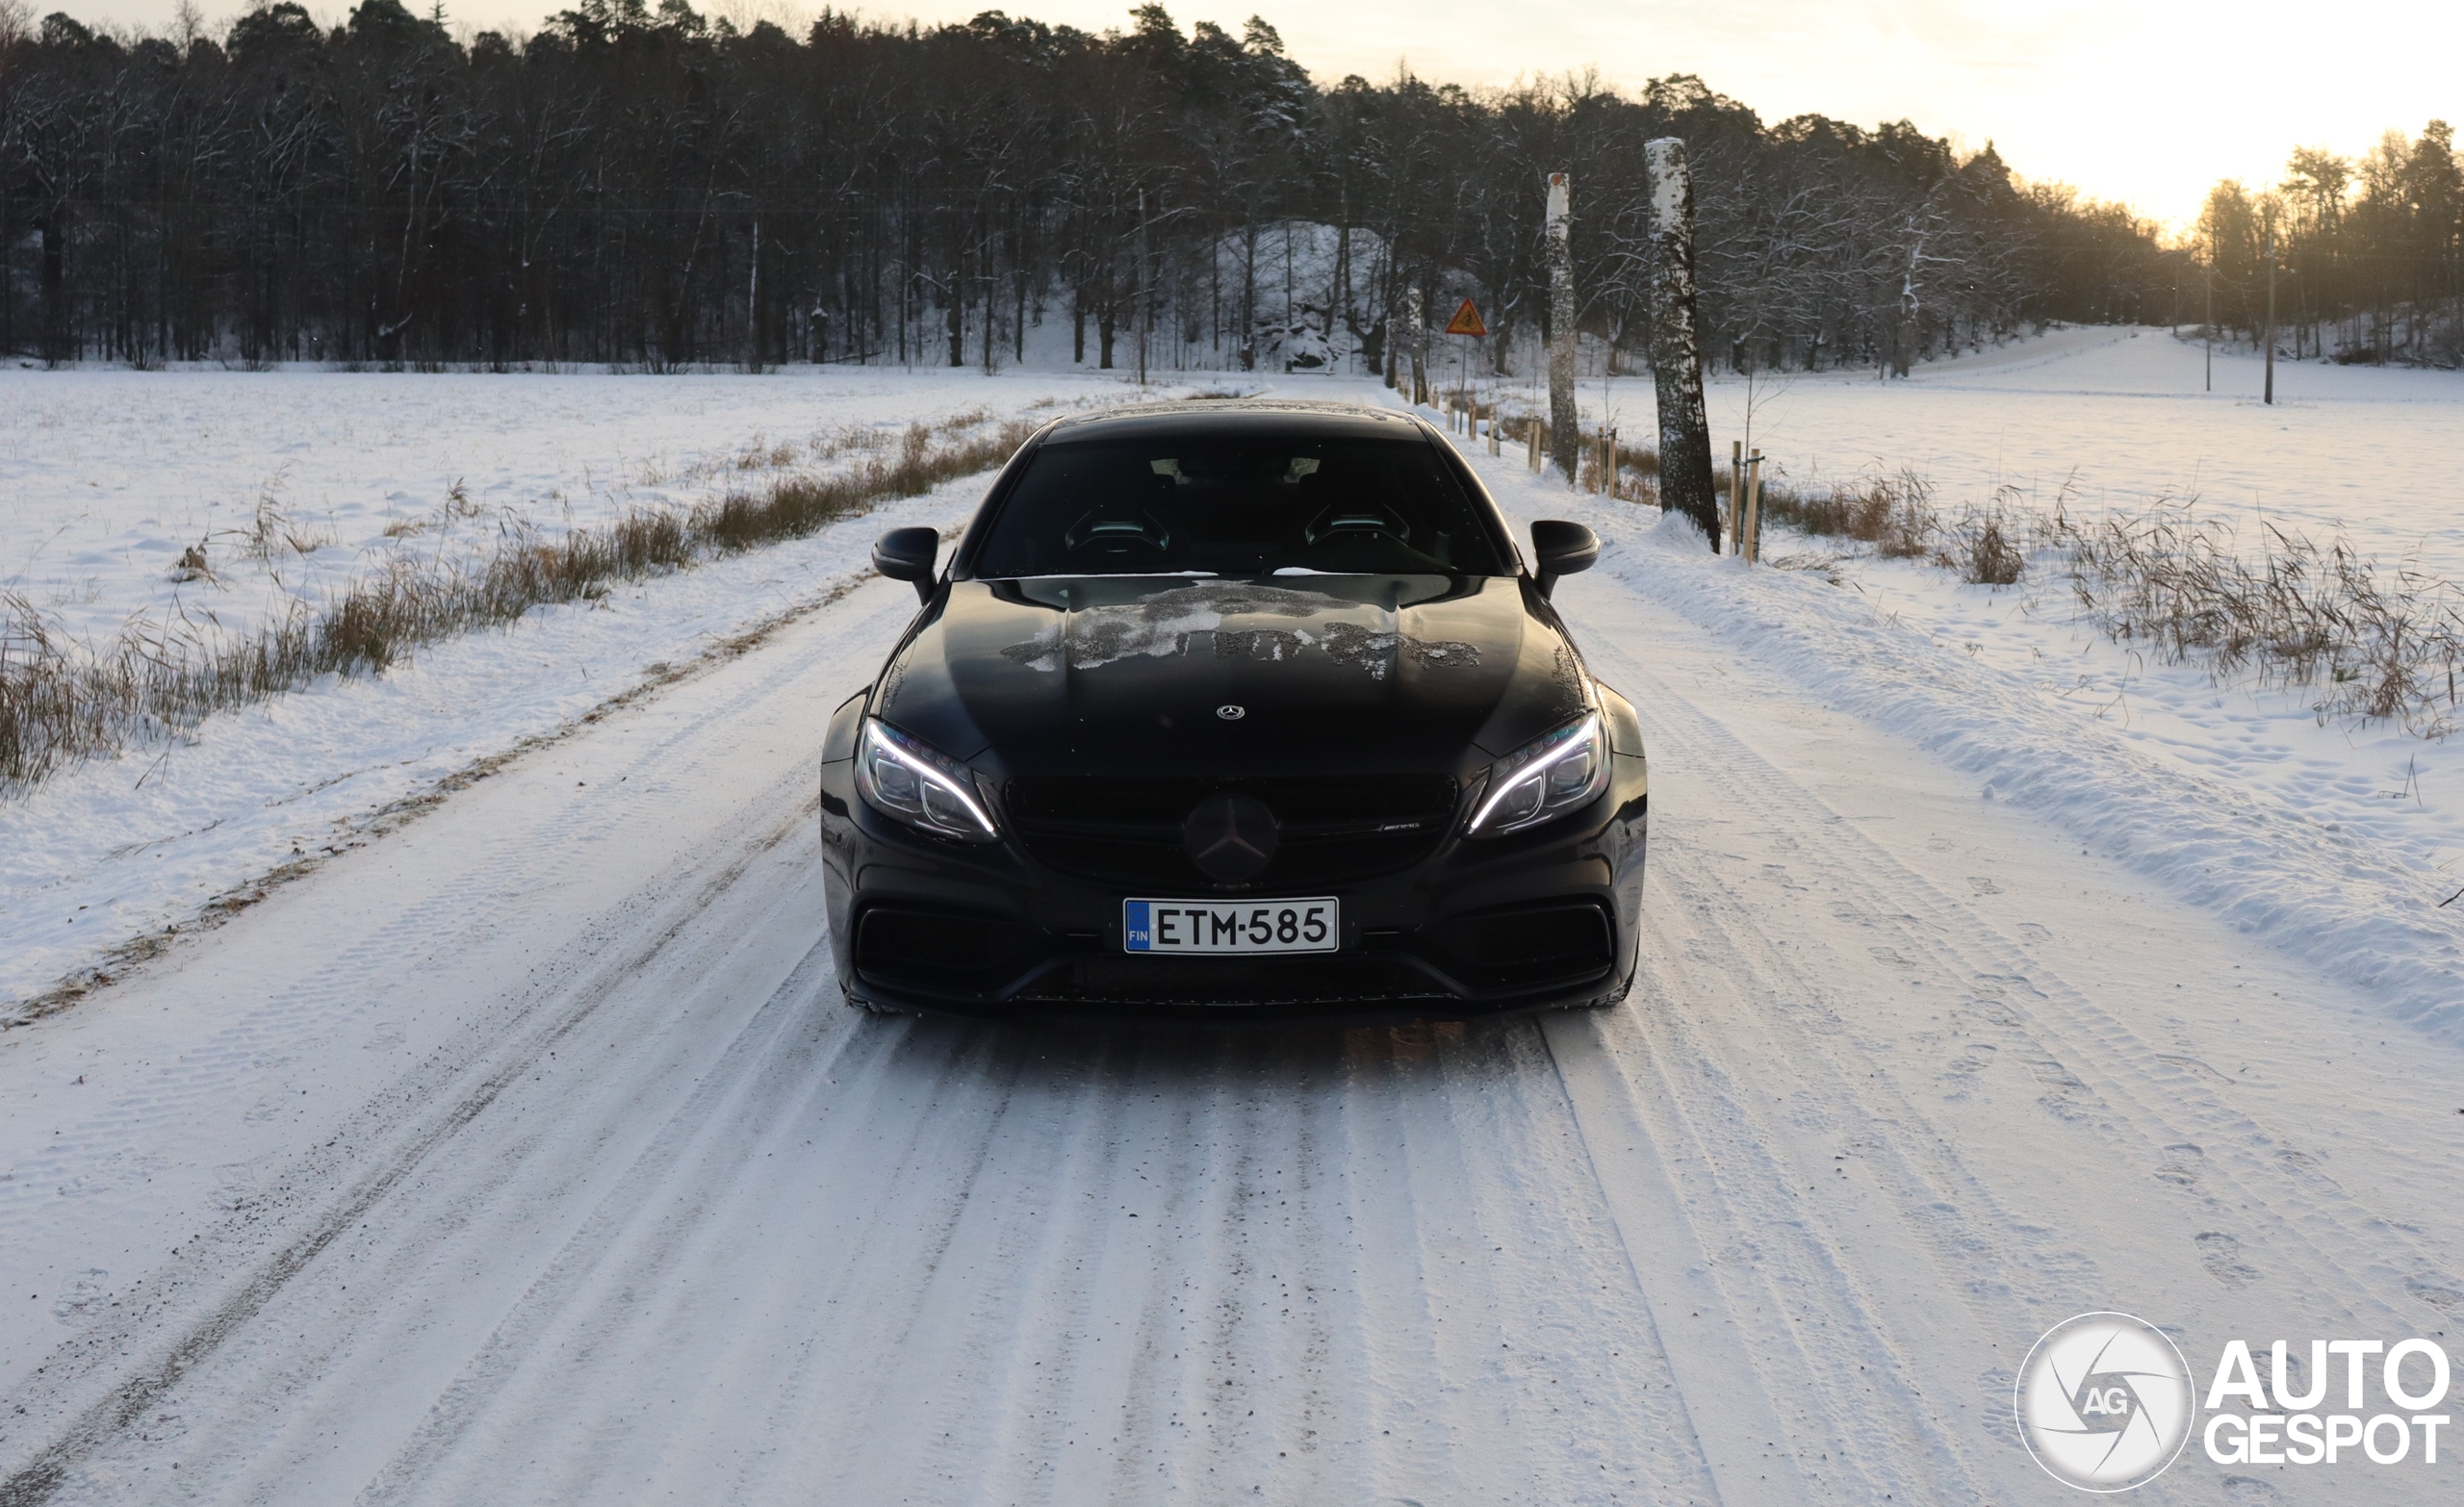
[1752,535]
[1677,358]
[1565,429]
[1737,496]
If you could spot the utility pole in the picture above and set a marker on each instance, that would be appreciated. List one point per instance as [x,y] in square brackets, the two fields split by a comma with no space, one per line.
[753,304]
[2270,392]
[1565,425]
[2211,318]
[1677,355]
[1146,300]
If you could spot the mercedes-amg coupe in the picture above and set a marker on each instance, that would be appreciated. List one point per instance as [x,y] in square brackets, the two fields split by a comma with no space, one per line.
[1235,711]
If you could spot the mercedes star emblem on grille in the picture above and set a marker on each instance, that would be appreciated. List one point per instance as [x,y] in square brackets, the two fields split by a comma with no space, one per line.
[1230,837]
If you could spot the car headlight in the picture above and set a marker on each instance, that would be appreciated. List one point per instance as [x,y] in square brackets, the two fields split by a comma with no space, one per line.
[1544,780]
[929,790]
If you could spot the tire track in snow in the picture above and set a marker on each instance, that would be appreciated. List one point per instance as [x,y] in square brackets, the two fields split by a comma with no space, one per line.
[1126,1313]
[2148,1102]
[1737,993]
[179,1316]
[131,1394]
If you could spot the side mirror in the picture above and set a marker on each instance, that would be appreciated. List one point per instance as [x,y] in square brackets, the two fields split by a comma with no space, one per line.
[907,555]
[1562,548]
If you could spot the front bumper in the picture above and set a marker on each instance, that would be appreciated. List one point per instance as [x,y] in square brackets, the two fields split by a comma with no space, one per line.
[1540,920]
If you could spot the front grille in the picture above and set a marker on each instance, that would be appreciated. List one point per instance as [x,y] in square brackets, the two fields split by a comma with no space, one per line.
[1333,828]
[1340,980]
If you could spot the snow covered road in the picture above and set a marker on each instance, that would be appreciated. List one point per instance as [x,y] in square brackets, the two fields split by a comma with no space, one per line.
[529,1155]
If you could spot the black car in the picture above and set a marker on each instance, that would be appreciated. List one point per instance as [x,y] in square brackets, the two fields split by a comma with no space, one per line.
[1235,711]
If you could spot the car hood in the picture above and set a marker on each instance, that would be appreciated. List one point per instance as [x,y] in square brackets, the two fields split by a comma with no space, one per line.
[1141,675]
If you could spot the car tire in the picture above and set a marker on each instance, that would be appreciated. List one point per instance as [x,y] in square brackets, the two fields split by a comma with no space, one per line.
[1608,1001]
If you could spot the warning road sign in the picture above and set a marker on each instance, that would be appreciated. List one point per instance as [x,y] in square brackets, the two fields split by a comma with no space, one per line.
[1466,321]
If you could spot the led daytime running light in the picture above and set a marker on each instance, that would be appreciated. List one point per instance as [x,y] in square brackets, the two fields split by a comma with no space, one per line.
[1531,765]
[943,803]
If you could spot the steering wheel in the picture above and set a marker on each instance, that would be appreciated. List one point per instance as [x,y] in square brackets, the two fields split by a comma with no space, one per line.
[1117,535]
[1358,520]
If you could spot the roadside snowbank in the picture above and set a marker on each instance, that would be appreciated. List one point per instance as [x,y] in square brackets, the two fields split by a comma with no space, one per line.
[2337,895]
[121,847]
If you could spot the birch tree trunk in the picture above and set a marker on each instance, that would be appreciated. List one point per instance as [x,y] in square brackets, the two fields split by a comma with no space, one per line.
[1565,425]
[1677,355]
[1416,324]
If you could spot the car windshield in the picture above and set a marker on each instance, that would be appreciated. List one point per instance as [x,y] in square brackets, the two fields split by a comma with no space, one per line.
[1242,506]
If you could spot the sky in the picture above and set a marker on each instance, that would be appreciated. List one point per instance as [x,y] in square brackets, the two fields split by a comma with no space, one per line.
[2146,102]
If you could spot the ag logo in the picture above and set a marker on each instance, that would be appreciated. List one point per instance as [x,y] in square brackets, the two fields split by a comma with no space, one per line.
[2104,1403]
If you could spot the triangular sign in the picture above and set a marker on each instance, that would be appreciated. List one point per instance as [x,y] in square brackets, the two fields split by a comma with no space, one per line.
[1466,321]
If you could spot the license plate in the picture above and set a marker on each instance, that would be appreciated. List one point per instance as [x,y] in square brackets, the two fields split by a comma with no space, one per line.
[1208,926]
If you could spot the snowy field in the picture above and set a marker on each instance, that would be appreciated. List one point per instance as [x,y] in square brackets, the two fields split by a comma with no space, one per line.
[528,1153]
[107,476]
[2120,416]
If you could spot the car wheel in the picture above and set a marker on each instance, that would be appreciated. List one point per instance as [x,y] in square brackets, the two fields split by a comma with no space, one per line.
[1608,1001]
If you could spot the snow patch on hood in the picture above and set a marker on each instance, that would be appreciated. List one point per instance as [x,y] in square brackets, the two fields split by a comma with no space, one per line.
[1165,625]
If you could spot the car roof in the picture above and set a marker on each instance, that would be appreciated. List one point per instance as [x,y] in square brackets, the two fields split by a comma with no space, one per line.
[1235,419]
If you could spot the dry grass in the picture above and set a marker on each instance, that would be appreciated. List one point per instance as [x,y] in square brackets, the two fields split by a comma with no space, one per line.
[2381,646]
[1985,544]
[273,532]
[1638,479]
[1895,514]
[62,702]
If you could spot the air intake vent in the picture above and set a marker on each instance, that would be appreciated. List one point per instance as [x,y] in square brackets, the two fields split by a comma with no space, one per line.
[1524,947]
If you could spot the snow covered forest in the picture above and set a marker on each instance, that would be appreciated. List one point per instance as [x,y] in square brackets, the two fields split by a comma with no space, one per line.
[658,188]
[2370,253]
